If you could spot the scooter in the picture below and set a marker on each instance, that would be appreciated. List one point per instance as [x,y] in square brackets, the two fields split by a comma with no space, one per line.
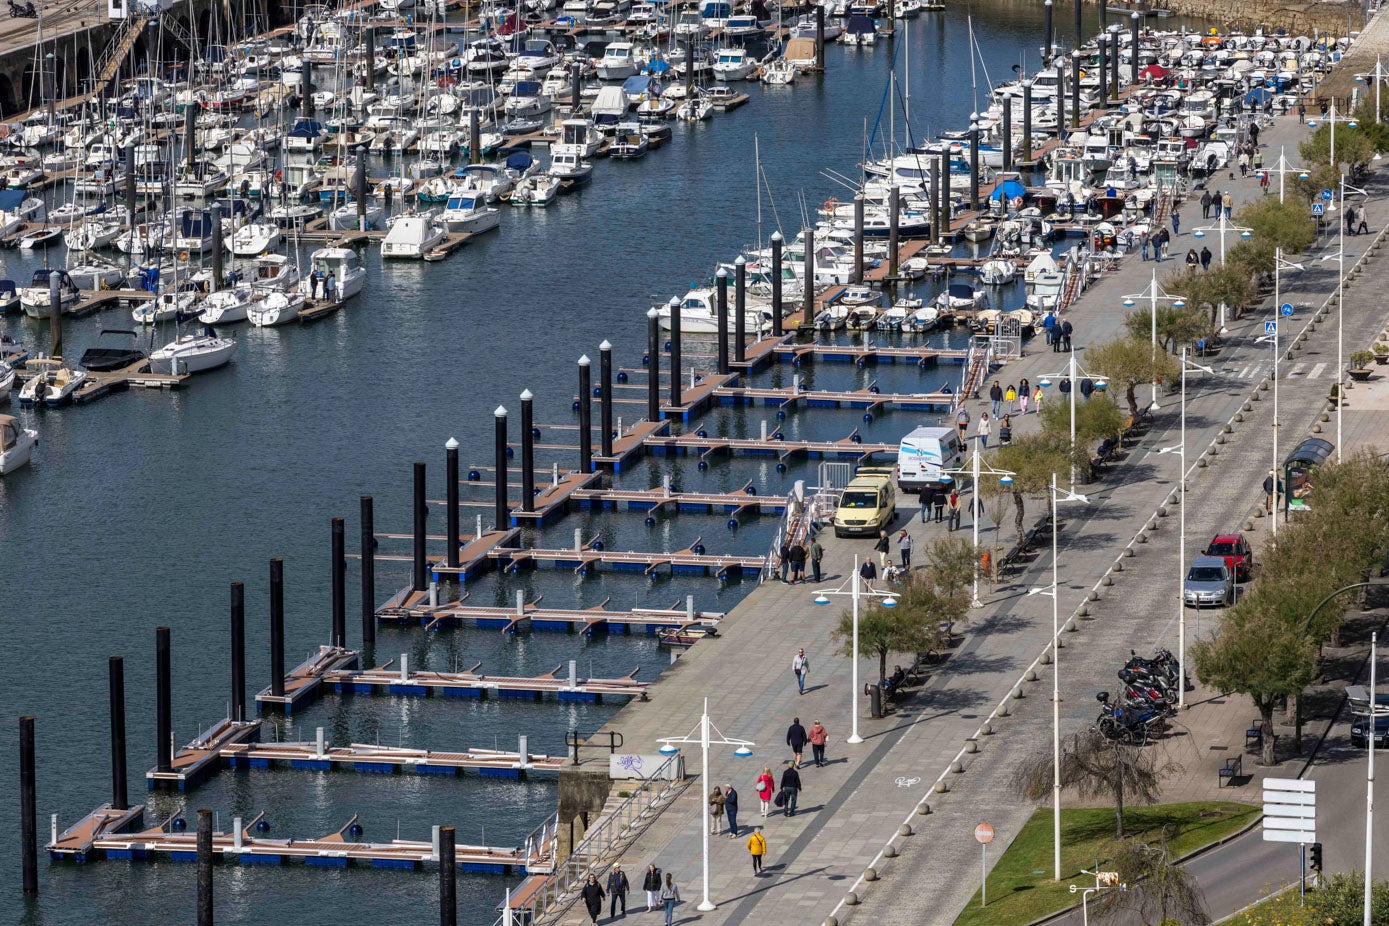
[27,11]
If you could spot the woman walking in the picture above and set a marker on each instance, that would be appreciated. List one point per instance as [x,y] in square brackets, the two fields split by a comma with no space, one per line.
[1024,394]
[715,811]
[670,896]
[984,429]
[757,847]
[818,735]
[593,897]
[652,885]
[765,784]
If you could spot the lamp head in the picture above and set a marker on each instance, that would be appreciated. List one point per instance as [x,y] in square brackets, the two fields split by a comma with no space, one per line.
[668,750]
[1198,234]
[1178,303]
[889,602]
[821,598]
[1005,480]
[742,752]
[1129,303]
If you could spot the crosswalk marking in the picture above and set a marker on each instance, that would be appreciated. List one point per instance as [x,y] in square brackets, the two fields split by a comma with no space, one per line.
[1297,368]
[1317,370]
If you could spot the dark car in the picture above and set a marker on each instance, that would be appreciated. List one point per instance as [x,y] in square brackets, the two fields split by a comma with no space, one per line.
[1236,552]
[1357,732]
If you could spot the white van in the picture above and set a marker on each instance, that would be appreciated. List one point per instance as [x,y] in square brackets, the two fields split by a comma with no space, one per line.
[925,455]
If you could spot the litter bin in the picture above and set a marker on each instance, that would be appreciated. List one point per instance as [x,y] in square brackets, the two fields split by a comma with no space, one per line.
[875,699]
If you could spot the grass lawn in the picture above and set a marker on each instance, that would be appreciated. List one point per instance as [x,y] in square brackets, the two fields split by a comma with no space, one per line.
[1020,885]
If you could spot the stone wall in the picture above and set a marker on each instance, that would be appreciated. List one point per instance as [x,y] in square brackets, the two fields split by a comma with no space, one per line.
[1298,17]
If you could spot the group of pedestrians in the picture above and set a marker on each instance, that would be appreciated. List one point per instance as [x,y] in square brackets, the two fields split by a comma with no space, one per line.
[793,557]
[946,505]
[661,893]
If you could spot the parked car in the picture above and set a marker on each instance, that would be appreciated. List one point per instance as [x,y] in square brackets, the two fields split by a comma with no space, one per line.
[1357,732]
[1209,583]
[1236,552]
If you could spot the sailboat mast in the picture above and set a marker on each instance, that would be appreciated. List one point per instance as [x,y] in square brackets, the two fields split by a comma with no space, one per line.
[973,81]
[757,184]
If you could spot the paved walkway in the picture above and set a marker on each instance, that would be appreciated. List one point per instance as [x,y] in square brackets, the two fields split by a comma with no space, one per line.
[852,807]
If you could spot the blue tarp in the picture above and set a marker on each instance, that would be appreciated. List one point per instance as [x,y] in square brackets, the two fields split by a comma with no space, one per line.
[636,84]
[716,9]
[960,291]
[1008,189]
[1258,96]
[519,160]
[306,128]
[10,199]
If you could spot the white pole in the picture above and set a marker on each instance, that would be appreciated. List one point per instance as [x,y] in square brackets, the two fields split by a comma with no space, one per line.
[854,738]
[706,904]
[1055,691]
[1370,782]
[1333,139]
[1074,384]
[975,500]
[1181,554]
[1340,305]
[1282,171]
[1277,321]
[1153,304]
[1379,79]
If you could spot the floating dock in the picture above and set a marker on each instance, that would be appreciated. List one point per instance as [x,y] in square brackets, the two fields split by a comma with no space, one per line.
[869,399]
[302,684]
[569,620]
[689,561]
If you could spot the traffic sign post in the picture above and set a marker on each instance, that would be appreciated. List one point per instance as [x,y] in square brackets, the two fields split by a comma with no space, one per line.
[1318,209]
[1326,195]
[1286,310]
[985,835]
[1270,327]
[1290,815]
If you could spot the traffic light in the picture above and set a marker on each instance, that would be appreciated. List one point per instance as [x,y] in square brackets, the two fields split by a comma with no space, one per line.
[1314,850]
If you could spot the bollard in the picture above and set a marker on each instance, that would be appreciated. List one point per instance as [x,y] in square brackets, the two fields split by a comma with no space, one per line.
[1075,83]
[448,878]
[653,364]
[520,602]
[605,401]
[368,570]
[116,683]
[675,372]
[237,834]
[585,417]
[359,187]
[1133,44]
[419,513]
[320,741]
[277,627]
[205,865]
[434,593]
[740,308]
[1007,135]
[339,580]
[578,540]
[808,309]
[573,673]
[451,539]
[130,180]
[502,515]
[1103,61]
[935,205]
[721,320]
[55,315]
[405,667]
[974,162]
[871,874]
[858,239]
[1027,120]
[305,93]
[238,651]
[527,451]
[576,93]
[163,707]
[776,284]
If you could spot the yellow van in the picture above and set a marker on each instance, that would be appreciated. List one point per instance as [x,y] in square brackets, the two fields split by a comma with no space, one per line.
[868,505]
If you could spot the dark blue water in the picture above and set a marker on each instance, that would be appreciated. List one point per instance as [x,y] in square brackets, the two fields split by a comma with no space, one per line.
[140,509]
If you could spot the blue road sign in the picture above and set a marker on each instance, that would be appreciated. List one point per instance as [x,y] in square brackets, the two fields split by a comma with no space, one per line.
[1287,309]
[1270,327]
[1318,209]
[1326,195]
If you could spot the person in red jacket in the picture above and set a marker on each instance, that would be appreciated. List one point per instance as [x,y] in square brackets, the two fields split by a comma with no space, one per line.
[818,735]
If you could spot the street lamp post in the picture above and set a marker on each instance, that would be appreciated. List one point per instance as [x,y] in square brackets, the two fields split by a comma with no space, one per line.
[1054,591]
[1152,293]
[1222,225]
[854,593]
[977,467]
[1279,264]
[1332,118]
[1073,371]
[1370,731]
[670,746]
[1282,170]
[1340,258]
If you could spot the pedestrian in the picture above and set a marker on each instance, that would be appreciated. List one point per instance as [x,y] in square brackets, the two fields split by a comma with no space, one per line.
[593,897]
[996,397]
[1272,486]
[983,431]
[1228,202]
[1066,328]
[1037,399]
[938,501]
[716,800]
[618,886]
[1176,222]
[1205,204]
[1243,164]
[757,847]
[881,548]
[669,897]
[765,785]
[1362,226]
[652,885]
[790,787]
[784,554]
[1192,259]
[1263,181]
[1010,395]
[730,807]
[800,665]
[1322,106]
[817,553]
[796,738]
[1301,112]
[962,421]
[954,503]
[926,495]
[1005,431]
[1024,394]
[904,548]
[867,572]
[1254,133]
[1256,160]
[1206,258]
[1064,387]
[797,563]
[1143,245]
[818,735]
[1350,220]
[330,285]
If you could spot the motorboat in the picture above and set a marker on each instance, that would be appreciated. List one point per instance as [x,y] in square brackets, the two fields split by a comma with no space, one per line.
[922,319]
[618,62]
[9,299]
[35,298]
[254,238]
[170,305]
[276,308]
[274,273]
[466,211]
[628,145]
[350,215]
[343,265]
[862,317]
[53,385]
[960,297]
[95,273]
[536,190]
[860,29]
[578,136]
[226,306]
[17,443]
[742,27]
[412,236]
[997,272]
[8,377]
[698,314]
[115,349]
[570,168]
[832,318]
[193,353]
[1043,280]
[491,180]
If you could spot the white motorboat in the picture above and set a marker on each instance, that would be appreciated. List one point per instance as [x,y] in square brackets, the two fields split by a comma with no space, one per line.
[832,318]
[254,239]
[346,218]
[93,233]
[7,380]
[1043,280]
[226,306]
[170,305]
[274,273]
[695,109]
[862,317]
[53,386]
[997,272]
[698,315]
[467,211]
[343,265]
[276,309]
[34,298]
[412,236]
[568,166]
[193,353]
[734,64]
[536,190]
[779,73]
[960,297]
[617,63]
[16,443]
[922,319]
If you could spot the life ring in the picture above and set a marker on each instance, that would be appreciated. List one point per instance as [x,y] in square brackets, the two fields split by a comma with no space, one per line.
[1017,202]
[831,205]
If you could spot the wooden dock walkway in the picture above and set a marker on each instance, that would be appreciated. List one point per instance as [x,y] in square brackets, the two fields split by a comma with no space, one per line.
[387,760]
[862,354]
[869,399]
[100,385]
[569,620]
[197,760]
[303,682]
[689,561]
[744,499]
[469,684]
[849,448]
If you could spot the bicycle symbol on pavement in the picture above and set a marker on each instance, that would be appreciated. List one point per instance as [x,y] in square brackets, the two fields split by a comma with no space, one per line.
[904,782]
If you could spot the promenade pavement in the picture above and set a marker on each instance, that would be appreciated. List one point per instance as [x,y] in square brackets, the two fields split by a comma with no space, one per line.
[852,807]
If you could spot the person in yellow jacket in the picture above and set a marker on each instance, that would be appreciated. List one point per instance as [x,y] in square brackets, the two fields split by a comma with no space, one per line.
[757,846]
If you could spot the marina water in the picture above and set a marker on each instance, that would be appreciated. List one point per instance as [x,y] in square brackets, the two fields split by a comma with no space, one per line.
[140,509]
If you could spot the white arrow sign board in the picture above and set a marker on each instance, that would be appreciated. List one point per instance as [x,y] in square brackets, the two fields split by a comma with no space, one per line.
[1302,836]
[1289,784]
[1290,810]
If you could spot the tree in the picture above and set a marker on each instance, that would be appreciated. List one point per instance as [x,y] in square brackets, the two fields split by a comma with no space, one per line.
[1097,766]
[950,569]
[1260,654]
[1159,890]
[1287,225]
[1032,459]
[882,632]
[1354,149]
[930,599]
[1097,418]
[1128,363]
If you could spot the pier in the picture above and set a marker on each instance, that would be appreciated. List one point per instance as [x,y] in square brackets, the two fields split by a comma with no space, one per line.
[529,615]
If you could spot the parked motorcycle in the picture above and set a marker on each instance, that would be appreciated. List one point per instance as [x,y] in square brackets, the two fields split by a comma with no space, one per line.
[24,11]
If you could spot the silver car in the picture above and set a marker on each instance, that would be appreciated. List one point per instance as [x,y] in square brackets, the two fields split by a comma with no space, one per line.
[1209,583]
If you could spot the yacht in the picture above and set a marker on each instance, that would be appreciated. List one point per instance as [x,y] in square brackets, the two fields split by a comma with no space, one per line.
[226,306]
[568,166]
[698,316]
[343,265]
[274,273]
[412,236]
[193,353]
[618,62]
[254,238]
[16,443]
[466,210]
[536,190]
[34,298]
[277,308]
[734,64]
[170,305]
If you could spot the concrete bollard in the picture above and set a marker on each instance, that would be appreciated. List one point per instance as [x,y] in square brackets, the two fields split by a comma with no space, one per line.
[987,729]
[923,810]
[1201,463]
[1046,659]
[957,767]
[904,830]
[1017,694]
[1118,566]
[941,787]
[1249,525]
[1093,596]
[1070,626]
[1141,538]
[889,851]
[1106,581]
[971,747]
[850,899]
[1031,675]
[870,874]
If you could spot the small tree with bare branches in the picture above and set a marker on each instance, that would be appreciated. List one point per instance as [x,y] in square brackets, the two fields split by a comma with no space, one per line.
[1158,890]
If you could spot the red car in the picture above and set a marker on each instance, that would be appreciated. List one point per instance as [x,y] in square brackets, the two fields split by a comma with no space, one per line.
[1237,553]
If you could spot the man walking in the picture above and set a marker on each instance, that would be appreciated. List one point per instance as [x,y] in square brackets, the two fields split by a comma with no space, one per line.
[796,738]
[818,735]
[1271,488]
[938,500]
[784,555]
[882,547]
[730,807]
[1205,258]
[1205,204]
[801,666]
[652,885]
[904,548]
[791,787]
[618,886]
[797,563]
[954,505]
[962,421]
[1066,330]
[996,397]
[1228,201]
[1143,245]
[1176,222]
[817,553]
[1362,227]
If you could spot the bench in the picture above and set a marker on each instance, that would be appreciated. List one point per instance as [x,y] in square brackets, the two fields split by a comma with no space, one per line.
[1136,424]
[1232,769]
[1105,451]
[1014,556]
[1254,736]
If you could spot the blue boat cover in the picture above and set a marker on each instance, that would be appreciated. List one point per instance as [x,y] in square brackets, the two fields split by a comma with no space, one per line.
[1008,189]
[10,199]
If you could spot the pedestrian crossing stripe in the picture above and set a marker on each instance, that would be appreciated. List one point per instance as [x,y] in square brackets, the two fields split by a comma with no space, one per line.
[1297,368]
[1317,370]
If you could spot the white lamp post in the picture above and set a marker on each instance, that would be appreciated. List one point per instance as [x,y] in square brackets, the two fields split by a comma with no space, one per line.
[1279,265]
[1340,258]
[1153,294]
[1375,713]
[1187,363]
[1282,170]
[1332,118]
[704,737]
[1222,225]
[854,592]
[1005,477]
[1054,591]
[1073,371]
